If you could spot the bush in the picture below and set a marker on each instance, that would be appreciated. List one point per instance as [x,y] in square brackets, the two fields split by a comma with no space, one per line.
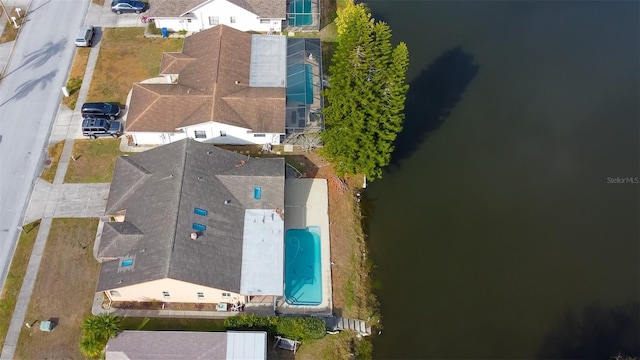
[294,328]
[96,331]
[251,321]
[74,84]
[362,349]
[301,328]
[153,29]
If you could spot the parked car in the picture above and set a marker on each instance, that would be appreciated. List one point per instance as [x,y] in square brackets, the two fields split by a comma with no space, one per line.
[102,110]
[122,6]
[84,36]
[94,128]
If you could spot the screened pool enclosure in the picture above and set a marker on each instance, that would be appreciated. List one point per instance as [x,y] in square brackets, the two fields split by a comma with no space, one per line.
[304,86]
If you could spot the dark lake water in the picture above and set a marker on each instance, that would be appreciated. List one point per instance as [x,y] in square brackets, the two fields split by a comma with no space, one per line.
[509,225]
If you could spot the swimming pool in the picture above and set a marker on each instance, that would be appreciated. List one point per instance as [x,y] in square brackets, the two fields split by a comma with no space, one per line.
[300,83]
[300,13]
[302,273]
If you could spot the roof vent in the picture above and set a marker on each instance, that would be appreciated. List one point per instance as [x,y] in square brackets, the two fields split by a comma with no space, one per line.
[227,202]
[194,236]
[200,178]
[237,82]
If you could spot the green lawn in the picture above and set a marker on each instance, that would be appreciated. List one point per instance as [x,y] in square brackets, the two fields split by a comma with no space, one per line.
[95,161]
[15,276]
[172,324]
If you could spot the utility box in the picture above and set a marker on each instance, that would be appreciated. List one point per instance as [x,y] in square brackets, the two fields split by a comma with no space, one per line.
[47,326]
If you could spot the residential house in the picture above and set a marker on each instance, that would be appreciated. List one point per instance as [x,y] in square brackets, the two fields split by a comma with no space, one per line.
[177,345]
[226,87]
[193,223]
[198,15]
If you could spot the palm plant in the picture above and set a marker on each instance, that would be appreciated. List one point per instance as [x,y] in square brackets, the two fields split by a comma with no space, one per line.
[91,347]
[102,327]
[96,331]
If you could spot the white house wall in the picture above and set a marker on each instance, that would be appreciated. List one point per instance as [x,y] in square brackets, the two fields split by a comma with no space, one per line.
[156,138]
[219,133]
[179,291]
[224,10]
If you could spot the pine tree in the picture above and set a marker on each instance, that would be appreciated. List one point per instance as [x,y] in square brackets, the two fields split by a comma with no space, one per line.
[366,97]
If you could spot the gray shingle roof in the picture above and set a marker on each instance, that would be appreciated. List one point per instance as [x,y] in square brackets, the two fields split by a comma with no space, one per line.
[158,191]
[175,345]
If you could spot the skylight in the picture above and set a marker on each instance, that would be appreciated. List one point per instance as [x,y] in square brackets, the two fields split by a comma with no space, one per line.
[201,212]
[126,262]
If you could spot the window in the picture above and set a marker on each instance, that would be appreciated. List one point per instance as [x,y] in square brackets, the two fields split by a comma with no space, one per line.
[223,133]
[265,21]
[259,135]
[114,293]
[198,227]
[166,295]
[200,134]
[226,295]
[214,20]
[188,20]
[201,212]
[200,295]
[233,19]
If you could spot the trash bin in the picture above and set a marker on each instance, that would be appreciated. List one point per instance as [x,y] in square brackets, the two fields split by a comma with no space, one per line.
[165,32]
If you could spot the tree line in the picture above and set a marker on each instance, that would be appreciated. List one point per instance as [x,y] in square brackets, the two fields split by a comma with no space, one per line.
[365,100]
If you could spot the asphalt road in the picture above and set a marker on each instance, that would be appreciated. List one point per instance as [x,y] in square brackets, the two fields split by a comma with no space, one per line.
[30,94]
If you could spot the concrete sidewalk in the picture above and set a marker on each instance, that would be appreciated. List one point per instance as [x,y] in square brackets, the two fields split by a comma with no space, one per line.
[47,200]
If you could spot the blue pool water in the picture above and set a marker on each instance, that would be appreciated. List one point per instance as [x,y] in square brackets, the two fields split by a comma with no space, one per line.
[300,11]
[302,271]
[300,83]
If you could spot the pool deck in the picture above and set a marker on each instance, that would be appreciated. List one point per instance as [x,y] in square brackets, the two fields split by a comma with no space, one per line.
[306,203]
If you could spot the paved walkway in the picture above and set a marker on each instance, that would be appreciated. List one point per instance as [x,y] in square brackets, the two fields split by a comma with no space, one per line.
[49,201]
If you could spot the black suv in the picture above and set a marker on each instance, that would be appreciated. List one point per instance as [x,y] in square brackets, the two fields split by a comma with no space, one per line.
[100,110]
[101,127]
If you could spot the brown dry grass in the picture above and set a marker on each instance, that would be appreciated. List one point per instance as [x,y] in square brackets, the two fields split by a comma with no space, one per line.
[75,76]
[330,347]
[10,33]
[64,291]
[98,2]
[95,161]
[126,57]
[18,268]
[54,152]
